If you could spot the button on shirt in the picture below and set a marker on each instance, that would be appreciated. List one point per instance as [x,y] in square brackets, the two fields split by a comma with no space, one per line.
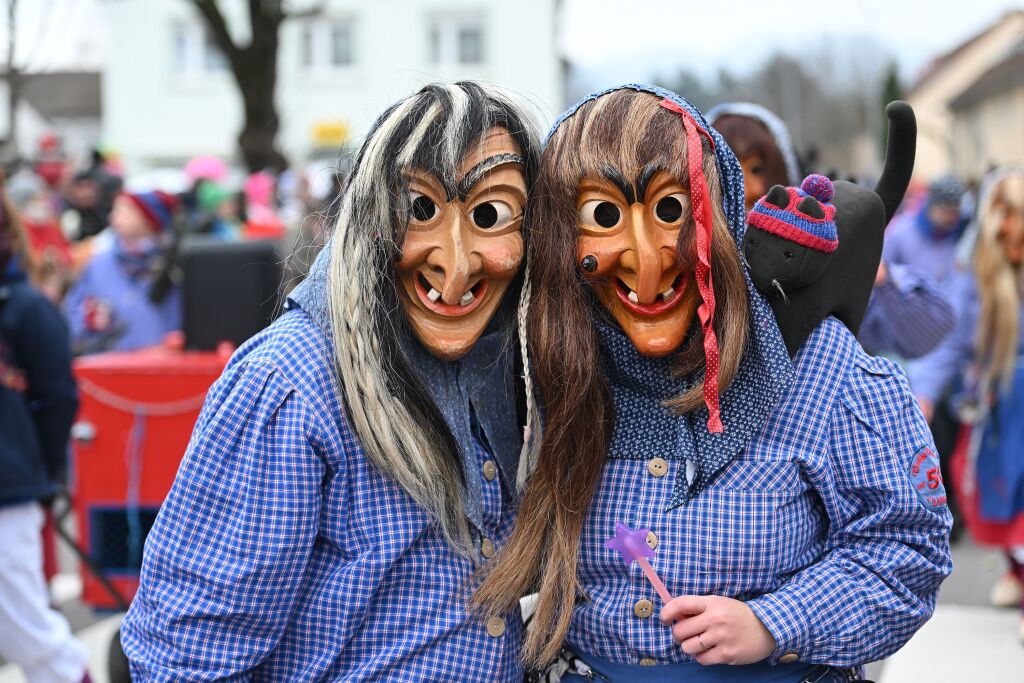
[816,523]
[282,555]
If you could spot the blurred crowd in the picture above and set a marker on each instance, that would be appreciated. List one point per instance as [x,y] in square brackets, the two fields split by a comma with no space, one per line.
[103,248]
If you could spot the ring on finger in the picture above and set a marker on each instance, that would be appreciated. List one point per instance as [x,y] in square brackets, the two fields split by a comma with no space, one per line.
[699,640]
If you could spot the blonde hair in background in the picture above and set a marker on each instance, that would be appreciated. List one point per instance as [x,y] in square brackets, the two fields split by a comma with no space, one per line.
[1000,283]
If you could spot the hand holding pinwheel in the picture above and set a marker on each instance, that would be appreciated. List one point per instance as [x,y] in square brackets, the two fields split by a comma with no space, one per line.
[633,546]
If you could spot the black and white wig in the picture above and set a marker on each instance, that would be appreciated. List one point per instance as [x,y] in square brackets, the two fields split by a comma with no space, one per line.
[399,425]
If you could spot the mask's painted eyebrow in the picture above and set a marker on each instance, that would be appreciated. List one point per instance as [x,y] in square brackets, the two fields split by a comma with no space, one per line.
[449,190]
[477,172]
[644,178]
[615,175]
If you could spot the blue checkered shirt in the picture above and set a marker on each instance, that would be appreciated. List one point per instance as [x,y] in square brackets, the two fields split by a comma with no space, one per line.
[282,555]
[817,524]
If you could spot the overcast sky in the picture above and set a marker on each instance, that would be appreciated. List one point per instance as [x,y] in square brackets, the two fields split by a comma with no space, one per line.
[56,34]
[612,41]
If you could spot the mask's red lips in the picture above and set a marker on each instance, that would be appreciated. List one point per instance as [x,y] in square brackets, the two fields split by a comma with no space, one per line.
[660,306]
[423,289]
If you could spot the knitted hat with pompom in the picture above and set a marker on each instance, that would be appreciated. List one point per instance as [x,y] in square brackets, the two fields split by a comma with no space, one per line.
[793,214]
[158,208]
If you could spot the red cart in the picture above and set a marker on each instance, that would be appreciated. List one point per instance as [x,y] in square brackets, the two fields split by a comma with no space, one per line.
[137,413]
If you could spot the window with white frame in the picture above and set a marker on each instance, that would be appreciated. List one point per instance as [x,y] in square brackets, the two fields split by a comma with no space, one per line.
[195,50]
[457,39]
[327,44]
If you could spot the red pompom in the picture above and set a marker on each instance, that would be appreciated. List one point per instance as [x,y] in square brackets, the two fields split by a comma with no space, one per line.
[819,187]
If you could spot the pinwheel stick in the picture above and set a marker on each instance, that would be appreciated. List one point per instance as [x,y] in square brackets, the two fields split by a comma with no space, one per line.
[653,577]
[632,545]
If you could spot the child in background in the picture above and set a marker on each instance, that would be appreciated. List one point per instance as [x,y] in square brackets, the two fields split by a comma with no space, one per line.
[219,211]
[114,304]
[51,253]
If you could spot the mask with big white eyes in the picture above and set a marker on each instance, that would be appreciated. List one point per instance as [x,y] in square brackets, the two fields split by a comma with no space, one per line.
[463,246]
[626,248]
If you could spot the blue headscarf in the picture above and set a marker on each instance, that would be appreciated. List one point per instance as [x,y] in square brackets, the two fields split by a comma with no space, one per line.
[765,369]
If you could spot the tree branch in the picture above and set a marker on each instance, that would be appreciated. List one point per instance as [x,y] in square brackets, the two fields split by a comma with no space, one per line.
[219,29]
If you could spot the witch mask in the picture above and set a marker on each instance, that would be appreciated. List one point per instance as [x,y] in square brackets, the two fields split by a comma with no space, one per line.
[463,246]
[628,232]
[645,220]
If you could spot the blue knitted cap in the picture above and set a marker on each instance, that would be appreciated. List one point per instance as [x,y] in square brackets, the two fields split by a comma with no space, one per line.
[790,223]
[946,189]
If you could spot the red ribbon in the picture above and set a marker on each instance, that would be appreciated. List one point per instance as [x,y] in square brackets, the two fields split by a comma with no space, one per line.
[703,217]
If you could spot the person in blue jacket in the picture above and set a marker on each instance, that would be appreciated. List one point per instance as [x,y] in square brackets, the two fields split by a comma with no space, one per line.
[357,461]
[38,402]
[119,301]
[794,508]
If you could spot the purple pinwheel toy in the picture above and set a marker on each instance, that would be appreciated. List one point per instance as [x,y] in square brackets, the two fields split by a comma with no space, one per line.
[633,546]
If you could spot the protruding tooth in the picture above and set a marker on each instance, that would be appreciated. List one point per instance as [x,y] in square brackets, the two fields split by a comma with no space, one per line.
[668,292]
[633,297]
[433,295]
[467,299]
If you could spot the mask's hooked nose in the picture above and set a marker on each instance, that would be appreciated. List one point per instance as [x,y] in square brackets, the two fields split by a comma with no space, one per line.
[453,259]
[647,261]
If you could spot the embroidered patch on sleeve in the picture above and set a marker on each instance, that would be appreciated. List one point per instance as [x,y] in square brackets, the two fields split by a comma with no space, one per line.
[926,477]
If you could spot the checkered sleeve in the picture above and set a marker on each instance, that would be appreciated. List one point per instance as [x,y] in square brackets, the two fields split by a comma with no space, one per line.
[906,315]
[227,555]
[888,540]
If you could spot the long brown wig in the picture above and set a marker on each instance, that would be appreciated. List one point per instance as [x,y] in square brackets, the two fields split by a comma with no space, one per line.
[628,130]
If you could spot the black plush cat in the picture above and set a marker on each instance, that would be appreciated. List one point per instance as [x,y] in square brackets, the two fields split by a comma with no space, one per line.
[814,251]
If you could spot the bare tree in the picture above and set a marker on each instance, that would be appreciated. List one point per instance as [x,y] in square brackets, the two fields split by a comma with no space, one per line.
[254,66]
[825,96]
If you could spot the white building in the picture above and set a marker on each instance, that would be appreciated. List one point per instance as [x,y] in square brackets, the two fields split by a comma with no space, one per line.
[65,103]
[950,76]
[168,94]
